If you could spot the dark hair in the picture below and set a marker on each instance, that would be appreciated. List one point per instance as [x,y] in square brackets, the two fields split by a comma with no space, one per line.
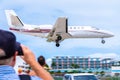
[41,60]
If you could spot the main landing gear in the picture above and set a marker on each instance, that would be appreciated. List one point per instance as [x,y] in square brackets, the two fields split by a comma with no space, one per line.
[57,41]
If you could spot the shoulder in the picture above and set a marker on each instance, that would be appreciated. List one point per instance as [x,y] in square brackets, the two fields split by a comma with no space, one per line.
[35,78]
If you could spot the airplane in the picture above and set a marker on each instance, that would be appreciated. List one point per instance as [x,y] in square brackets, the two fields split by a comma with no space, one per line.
[57,32]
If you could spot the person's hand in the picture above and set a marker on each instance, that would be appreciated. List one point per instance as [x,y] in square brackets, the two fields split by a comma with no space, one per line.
[29,58]
[28,55]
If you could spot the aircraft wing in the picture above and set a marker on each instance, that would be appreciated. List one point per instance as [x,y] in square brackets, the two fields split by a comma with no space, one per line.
[59,31]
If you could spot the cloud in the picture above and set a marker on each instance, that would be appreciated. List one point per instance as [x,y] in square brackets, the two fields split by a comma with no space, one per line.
[105,55]
[49,61]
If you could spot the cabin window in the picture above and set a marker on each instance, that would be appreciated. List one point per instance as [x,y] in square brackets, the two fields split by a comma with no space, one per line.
[70,27]
[82,27]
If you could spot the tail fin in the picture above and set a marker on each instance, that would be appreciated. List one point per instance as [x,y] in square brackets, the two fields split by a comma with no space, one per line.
[13,20]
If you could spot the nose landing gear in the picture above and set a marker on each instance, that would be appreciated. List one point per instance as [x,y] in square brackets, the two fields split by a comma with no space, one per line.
[103,41]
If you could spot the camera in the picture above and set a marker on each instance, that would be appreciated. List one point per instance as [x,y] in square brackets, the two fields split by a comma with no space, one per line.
[19,49]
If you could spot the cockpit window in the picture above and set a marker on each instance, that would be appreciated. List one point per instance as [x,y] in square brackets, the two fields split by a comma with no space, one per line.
[95,28]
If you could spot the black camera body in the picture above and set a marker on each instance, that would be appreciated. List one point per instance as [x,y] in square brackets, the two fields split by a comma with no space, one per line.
[19,49]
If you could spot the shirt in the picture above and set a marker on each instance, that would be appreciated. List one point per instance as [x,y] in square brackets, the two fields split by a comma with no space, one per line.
[8,73]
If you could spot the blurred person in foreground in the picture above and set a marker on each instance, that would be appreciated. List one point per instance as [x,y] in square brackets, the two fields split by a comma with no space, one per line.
[8,53]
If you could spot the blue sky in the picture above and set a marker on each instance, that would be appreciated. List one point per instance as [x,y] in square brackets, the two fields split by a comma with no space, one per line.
[103,14]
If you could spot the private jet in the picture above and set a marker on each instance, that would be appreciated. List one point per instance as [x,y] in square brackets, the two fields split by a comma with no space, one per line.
[57,32]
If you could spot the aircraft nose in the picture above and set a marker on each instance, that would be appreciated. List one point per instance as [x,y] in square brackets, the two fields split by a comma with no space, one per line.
[110,34]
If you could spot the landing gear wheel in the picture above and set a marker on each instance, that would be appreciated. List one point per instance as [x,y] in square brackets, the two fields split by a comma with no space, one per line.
[57,41]
[59,38]
[103,41]
[57,44]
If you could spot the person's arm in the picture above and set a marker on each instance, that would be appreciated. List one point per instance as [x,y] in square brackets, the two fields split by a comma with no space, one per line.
[29,57]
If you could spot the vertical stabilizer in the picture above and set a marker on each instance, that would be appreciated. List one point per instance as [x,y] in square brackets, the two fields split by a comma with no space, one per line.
[13,19]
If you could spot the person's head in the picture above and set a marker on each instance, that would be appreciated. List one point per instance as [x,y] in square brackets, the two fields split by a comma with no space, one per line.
[41,60]
[7,48]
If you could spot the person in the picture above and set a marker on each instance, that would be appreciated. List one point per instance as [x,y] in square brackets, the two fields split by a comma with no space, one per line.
[42,62]
[8,53]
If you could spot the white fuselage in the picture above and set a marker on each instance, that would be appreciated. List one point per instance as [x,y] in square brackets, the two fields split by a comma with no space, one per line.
[57,32]
[74,31]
